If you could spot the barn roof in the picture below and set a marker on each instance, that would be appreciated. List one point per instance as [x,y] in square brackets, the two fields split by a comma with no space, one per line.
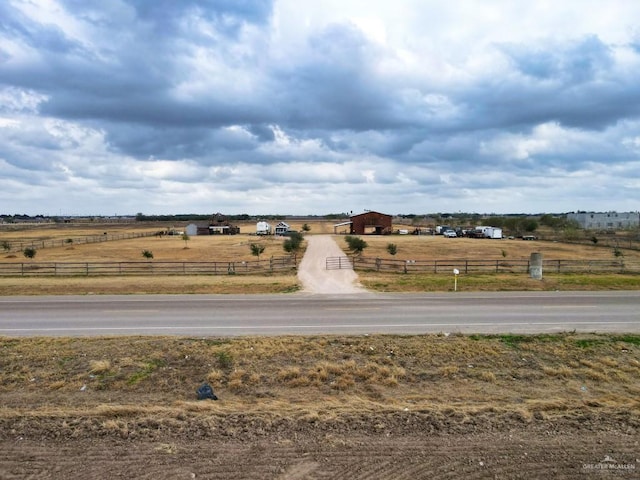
[369,212]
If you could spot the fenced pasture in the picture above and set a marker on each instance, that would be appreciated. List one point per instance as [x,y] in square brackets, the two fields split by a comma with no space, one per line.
[128,247]
[421,248]
[465,266]
[269,265]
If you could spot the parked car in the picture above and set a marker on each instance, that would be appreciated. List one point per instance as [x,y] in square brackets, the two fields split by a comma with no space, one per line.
[450,234]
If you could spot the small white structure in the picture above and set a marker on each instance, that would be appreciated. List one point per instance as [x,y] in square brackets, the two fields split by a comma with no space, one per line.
[263,228]
[492,232]
[282,228]
[191,230]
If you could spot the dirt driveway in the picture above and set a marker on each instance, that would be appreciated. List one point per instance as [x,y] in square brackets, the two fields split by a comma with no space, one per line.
[313,274]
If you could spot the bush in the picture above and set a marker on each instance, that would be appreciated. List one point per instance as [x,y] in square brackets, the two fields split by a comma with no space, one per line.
[29,252]
[292,244]
[356,244]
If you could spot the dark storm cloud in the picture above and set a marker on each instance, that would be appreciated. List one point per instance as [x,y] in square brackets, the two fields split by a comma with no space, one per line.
[334,86]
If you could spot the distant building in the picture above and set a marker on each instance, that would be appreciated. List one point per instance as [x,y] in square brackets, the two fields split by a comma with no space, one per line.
[371,223]
[606,220]
[282,228]
[219,225]
[191,230]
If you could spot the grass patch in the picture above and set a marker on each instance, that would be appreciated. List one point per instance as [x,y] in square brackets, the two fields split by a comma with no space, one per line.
[225,359]
[589,342]
[146,371]
[632,339]
[294,372]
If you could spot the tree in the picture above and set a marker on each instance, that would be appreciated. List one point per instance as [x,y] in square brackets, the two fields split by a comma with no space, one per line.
[148,254]
[530,225]
[186,239]
[292,244]
[256,249]
[392,248]
[306,228]
[356,244]
[29,252]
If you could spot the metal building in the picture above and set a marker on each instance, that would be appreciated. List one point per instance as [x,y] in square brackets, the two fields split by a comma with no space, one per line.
[371,223]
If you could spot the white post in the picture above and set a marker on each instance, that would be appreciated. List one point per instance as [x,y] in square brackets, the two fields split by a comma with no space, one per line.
[456,272]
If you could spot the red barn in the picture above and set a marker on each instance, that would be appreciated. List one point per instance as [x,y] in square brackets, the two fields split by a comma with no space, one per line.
[371,223]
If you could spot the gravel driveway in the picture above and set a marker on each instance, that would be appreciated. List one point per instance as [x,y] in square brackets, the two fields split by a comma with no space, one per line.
[314,276]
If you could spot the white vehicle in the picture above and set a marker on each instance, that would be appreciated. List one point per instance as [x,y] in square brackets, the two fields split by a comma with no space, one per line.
[450,234]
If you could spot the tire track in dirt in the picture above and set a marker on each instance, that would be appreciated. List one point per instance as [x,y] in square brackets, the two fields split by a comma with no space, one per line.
[514,454]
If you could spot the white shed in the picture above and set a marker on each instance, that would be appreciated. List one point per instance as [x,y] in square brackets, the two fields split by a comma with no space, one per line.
[191,230]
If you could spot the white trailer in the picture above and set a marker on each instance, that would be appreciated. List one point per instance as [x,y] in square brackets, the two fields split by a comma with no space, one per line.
[492,232]
[263,228]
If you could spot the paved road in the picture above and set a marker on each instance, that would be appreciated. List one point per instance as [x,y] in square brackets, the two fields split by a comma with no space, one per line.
[232,315]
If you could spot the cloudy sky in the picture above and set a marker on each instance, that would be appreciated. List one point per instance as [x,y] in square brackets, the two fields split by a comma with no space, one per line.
[319,106]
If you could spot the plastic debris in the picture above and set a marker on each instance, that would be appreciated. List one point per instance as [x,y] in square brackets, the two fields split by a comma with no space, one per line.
[206,392]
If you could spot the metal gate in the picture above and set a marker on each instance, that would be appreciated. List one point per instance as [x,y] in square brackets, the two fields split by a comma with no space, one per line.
[339,263]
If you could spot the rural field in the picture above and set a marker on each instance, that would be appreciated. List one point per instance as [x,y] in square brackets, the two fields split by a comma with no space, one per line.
[313,407]
[82,243]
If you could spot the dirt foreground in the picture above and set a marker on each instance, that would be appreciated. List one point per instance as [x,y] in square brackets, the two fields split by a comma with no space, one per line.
[391,446]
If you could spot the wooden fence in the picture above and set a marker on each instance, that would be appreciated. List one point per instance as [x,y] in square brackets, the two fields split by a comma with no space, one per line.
[24,269]
[18,246]
[481,266]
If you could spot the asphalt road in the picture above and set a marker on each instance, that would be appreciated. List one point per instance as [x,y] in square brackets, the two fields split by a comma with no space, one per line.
[368,313]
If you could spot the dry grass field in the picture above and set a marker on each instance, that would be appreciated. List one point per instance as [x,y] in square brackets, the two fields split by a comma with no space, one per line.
[236,248]
[437,406]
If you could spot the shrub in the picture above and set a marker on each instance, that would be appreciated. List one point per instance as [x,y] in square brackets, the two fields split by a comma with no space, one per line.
[292,244]
[356,244]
